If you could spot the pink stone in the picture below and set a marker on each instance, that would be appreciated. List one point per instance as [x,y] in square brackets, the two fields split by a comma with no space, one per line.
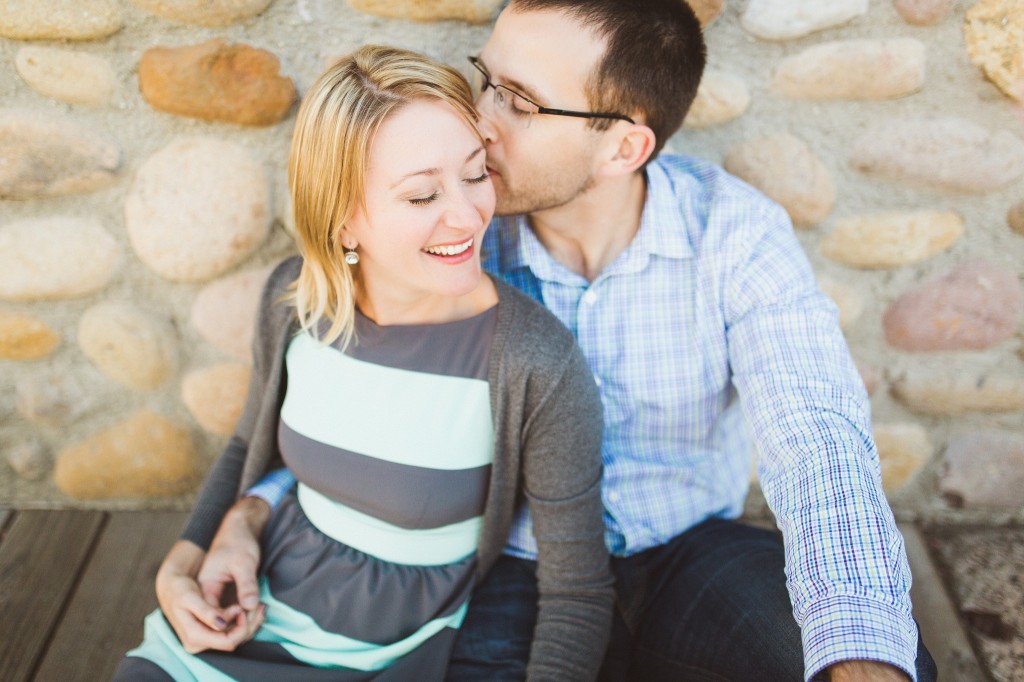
[984,469]
[974,306]
[923,12]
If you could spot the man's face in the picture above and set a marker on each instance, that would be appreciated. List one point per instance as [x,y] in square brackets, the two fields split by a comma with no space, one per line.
[547,57]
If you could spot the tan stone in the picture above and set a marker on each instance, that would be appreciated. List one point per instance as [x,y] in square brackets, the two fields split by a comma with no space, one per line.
[952,154]
[960,392]
[215,81]
[785,169]
[224,312]
[472,11]
[197,208]
[870,375]
[204,12]
[846,298]
[924,12]
[56,257]
[216,395]
[973,306]
[853,69]
[903,449]
[994,31]
[706,10]
[721,97]
[130,346]
[46,155]
[24,337]
[54,398]
[59,19]
[29,459]
[67,75]
[145,455]
[1015,217]
[892,239]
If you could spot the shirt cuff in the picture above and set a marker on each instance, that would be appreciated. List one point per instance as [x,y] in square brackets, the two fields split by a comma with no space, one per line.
[273,487]
[858,629]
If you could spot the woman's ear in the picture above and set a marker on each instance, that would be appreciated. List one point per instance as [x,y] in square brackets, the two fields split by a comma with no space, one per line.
[347,240]
[631,149]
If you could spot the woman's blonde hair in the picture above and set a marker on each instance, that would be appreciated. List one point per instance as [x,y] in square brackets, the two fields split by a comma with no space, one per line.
[327,166]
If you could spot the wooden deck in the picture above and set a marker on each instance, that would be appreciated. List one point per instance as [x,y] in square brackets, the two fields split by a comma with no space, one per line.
[74,588]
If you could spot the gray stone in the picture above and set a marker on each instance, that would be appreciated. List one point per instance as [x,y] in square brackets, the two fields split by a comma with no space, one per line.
[55,257]
[130,346]
[721,97]
[892,239]
[204,12]
[961,392]
[197,208]
[29,459]
[70,76]
[785,169]
[45,155]
[924,12]
[788,19]
[853,69]
[972,307]
[54,398]
[145,455]
[984,469]
[903,449]
[59,19]
[216,395]
[224,312]
[947,153]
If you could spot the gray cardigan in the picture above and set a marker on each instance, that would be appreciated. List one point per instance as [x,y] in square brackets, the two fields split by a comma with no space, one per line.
[547,422]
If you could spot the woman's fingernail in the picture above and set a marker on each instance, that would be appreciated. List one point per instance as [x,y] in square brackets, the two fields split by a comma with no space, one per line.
[221,623]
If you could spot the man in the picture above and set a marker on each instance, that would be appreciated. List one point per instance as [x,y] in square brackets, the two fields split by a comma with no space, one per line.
[698,313]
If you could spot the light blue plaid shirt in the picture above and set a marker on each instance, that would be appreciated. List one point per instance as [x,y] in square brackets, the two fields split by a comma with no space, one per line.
[709,327]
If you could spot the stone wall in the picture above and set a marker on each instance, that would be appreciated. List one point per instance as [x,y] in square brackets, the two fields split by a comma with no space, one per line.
[143,197]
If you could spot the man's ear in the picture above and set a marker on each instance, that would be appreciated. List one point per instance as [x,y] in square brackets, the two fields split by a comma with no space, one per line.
[629,149]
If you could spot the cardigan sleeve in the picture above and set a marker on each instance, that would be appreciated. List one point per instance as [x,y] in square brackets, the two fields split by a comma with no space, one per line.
[223,482]
[562,475]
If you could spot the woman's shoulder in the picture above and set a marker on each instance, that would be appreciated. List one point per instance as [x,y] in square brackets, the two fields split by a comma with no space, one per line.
[529,327]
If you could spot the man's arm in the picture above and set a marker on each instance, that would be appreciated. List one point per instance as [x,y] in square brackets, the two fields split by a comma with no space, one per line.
[849,578]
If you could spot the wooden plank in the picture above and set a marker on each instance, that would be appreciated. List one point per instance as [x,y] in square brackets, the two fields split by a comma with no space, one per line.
[937,616]
[4,513]
[40,559]
[116,591]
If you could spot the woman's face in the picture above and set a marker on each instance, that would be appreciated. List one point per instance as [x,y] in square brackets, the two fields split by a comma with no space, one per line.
[428,202]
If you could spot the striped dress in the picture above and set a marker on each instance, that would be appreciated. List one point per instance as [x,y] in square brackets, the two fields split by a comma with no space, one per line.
[368,564]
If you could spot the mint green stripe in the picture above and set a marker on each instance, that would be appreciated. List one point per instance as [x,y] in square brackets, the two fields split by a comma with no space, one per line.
[286,626]
[433,547]
[397,415]
[161,646]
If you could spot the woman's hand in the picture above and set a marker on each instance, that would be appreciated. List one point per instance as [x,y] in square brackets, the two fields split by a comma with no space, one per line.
[199,624]
[234,556]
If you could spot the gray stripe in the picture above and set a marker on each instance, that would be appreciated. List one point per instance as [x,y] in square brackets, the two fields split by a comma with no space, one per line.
[350,593]
[138,669]
[457,349]
[405,496]
[267,661]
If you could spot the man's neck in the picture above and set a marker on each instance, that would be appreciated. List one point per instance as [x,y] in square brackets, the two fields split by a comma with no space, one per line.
[588,234]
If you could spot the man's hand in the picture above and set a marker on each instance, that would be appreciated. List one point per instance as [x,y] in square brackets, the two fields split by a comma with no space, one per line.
[228,573]
[199,624]
[865,671]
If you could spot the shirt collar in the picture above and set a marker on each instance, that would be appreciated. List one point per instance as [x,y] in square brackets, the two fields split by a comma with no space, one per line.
[662,232]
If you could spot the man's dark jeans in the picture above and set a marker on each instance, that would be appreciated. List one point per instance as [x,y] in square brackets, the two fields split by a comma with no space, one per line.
[709,606]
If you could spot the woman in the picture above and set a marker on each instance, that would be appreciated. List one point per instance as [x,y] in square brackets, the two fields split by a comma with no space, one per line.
[418,403]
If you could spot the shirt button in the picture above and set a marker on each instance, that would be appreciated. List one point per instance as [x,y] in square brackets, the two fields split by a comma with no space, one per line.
[590,297]
[613,497]
[597,380]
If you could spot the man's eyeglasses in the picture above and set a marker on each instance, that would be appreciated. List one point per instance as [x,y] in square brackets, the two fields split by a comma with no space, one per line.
[517,108]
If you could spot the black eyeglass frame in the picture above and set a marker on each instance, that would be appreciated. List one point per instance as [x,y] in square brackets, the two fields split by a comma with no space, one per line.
[488,83]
